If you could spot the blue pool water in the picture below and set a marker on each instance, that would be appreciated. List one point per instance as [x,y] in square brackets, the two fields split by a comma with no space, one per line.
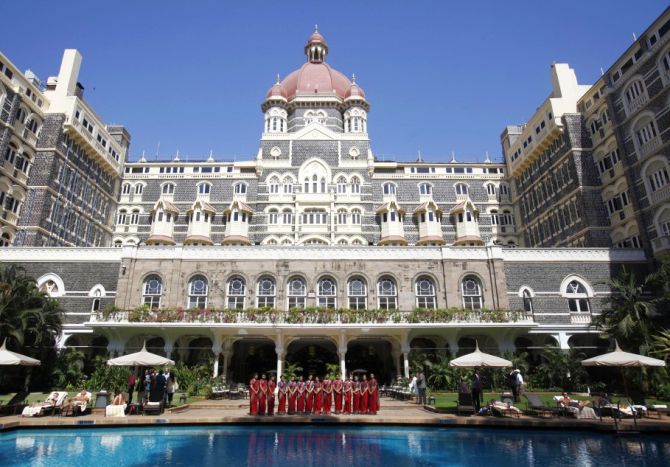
[326,447]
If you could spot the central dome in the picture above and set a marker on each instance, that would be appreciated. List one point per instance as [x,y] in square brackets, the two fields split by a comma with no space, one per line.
[315,77]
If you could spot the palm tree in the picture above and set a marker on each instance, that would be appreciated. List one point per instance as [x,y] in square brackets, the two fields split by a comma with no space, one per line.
[662,344]
[628,313]
[441,375]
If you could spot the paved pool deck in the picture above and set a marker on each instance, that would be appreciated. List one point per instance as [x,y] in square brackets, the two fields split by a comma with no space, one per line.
[393,412]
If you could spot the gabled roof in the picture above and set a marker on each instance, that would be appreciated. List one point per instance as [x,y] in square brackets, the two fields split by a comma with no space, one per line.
[242,206]
[460,207]
[167,206]
[205,206]
[387,206]
[424,207]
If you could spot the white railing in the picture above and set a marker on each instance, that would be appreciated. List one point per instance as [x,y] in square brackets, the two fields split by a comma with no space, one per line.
[580,318]
[650,146]
[637,103]
[660,195]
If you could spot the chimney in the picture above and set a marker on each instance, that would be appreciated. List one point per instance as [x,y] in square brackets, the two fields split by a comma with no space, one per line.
[68,74]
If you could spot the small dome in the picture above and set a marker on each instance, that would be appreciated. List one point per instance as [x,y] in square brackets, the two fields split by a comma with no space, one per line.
[276,91]
[316,37]
[354,90]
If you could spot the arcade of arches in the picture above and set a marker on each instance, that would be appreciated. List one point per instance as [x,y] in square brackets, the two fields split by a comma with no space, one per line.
[388,355]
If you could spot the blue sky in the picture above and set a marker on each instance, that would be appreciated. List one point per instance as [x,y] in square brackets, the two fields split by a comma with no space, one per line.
[440,76]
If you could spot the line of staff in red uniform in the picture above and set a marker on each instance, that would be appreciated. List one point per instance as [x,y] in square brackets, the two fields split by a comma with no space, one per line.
[314,396]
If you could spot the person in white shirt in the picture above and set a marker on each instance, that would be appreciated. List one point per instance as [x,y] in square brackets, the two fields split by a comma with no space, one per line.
[413,387]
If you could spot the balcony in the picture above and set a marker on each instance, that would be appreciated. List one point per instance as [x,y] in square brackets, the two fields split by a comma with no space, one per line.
[637,103]
[660,195]
[649,147]
[10,217]
[29,136]
[580,318]
[320,317]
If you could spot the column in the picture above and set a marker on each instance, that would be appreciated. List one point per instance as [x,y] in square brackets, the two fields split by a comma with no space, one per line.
[169,346]
[216,349]
[281,354]
[404,348]
[396,362]
[342,354]
[562,339]
[452,342]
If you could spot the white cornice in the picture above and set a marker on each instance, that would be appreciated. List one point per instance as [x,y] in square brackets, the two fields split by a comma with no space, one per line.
[65,254]
[568,255]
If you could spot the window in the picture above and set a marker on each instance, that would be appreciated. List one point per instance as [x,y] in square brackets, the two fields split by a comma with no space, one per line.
[125,190]
[633,92]
[139,188]
[425,189]
[288,186]
[472,293]
[527,301]
[646,133]
[95,306]
[461,189]
[387,293]
[197,292]
[273,216]
[315,216]
[121,218]
[168,189]
[608,162]
[287,217]
[327,293]
[135,217]
[341,185]
[267,291]
[358,293]
[491,189]
[204,188]
[494,217]
[355,185]
[236,293]
[297,293]
[240,188]
[659,179]
[153,289]
[389,189]
[425,293]
[578,301]
[617,203]
[274,185]
[356,216]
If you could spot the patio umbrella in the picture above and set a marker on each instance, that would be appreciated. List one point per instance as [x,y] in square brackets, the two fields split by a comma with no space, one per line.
[622,359]
[141,358]
[479,359]
[12,358]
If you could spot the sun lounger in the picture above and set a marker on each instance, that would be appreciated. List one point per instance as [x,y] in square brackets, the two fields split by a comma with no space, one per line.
[504,409]
[53,402]
[537,407]
[465,404]
[78,407]
[153,408]
[115,411]
[15,404]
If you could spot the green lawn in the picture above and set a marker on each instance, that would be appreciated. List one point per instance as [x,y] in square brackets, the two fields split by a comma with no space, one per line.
[447,400]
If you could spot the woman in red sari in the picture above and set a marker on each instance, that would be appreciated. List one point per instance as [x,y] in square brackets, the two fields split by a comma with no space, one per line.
[292,390]
[254,386]
[309,394]
[337,394]
[327,395]
[271,396]
[364,395]
[347,389]
[301,396]
[318,397]
[262,395]
[357,395]
[373,395]
[283,388]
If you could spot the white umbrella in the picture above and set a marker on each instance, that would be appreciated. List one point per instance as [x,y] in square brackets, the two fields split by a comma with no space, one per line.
[141,358]
[480,359]
[622,359]
[12,358]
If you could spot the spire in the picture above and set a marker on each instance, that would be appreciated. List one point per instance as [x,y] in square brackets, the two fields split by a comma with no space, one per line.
[420,157]
[453,156]
[353,78]
[278,80]
[488,159]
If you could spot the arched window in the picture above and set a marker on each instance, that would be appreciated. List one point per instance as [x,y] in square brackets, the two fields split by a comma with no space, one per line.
[577,295]
[494,217]
[323,185]
[274,185]
[471,290]
[389,189]
[139,189]
[490,189]
[5,240]
[645,131]
[240,188]
[125,189]
[168,189]
[461,189]
[204,188]
[425,293]
[527,301]
[634,94]
[287,217]
[122,217]
[341,184]
[315,183]
[135,217]
[356,216]
[297,293]
[357,290]
[152,291]
[387,293]
[273,216]
[355,185]
[288,186]
[198,289]
[425,189]
[267,292]
[237,289]
[342,216]
[306,185]
[327,293]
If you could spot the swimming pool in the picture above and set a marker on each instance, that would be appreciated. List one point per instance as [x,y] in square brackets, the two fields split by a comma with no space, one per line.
[326,446]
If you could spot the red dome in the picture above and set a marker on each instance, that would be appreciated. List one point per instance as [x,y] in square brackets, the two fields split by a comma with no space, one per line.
[354,91]
[316,37]
[276,91]
[315,78]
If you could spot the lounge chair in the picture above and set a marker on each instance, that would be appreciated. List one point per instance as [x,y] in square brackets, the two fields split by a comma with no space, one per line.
[465,403]
[576,408]
[503,409]
[115,410]
[78,406]
[49,406]
[536,406]
[15,404]
[154,406]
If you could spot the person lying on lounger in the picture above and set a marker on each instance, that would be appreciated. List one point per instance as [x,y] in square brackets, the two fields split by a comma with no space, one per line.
[78,403]
[501,408]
